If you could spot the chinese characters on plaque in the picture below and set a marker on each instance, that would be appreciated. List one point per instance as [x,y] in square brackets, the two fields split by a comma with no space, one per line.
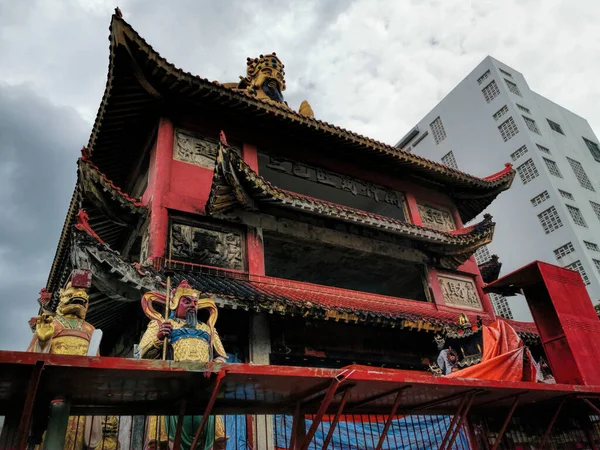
[436,218]
[459,291]
[342,182]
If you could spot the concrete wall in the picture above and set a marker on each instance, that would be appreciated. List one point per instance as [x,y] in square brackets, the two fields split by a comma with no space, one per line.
[479,149]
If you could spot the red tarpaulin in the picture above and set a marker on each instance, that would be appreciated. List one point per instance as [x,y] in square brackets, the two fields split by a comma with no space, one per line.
[503,357]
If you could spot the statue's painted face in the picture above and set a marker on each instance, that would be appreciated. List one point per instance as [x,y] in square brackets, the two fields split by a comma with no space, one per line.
[186,304]
[268,76]
[73,301]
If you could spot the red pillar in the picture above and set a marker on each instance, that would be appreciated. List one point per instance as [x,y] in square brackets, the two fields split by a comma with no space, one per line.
[159,180]
[413,210]
[254,239]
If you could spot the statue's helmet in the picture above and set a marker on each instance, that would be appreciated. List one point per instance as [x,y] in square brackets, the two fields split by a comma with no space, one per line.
[266,68]
[73,300]
[183,290]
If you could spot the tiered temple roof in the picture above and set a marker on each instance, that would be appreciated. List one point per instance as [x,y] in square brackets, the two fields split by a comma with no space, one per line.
[141,87]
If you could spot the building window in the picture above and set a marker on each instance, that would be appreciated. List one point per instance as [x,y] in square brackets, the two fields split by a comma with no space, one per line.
[500,112]
[596,208]
[593,148]
[566,195]
[522,108]
[597,264]
[540,198]
[550,220]
[508,129]
[512,87]
[556,127]
[579,268]
[491,91]
[531,125]
[518,153]
[543,149]
[552,167]
[504,72]
[437,128]
[449,160]
[501,307]
[577,216]
[482,78]
[591,246]
[527,171]
[482,255]
[564,250]
[582,177]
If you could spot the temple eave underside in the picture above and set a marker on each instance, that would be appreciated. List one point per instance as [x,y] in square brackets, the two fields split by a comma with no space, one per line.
[120,284]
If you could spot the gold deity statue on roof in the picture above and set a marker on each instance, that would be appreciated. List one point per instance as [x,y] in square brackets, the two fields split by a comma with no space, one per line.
[265,80]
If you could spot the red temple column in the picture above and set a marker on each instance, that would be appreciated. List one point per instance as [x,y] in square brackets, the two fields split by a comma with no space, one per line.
[254,239]
[159,179]
[413,210]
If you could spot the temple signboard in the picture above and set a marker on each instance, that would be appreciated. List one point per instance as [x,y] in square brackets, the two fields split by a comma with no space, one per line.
[195,150]
[459,292]
[343,183]
[436,218]
[206,246]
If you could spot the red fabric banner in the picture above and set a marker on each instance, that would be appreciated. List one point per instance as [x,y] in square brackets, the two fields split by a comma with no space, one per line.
[503,357]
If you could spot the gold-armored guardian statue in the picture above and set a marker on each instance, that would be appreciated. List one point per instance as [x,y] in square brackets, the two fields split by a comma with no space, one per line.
[188,339]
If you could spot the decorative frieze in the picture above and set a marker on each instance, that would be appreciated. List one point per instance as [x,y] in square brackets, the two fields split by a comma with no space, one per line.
[436,218]
[195,150]
[206,246]
[342,182]
[459,291]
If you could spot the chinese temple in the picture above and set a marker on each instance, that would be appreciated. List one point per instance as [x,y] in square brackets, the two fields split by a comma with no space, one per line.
[298,229]
[295,243]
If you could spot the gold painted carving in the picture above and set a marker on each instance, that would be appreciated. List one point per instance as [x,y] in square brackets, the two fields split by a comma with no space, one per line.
[436,218]
[459,292]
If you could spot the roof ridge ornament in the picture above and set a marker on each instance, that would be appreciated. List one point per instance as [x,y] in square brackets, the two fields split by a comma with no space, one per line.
[265,80]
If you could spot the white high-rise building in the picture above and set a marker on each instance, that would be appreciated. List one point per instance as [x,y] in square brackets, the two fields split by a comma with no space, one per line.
[552,211]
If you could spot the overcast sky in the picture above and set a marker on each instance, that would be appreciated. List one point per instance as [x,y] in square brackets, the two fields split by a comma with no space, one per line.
[375,67]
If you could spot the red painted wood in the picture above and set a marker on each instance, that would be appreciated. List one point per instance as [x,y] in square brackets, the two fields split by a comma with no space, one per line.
[413,211]
[208,410]
[254,242]
[457,219]
[189,188]
[250,156]
[388,422]
[255,252]
[505,424]
[335,421]
[436,288]
[159,178]
[27,413]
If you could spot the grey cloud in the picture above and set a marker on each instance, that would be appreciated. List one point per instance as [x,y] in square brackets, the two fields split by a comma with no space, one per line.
[39,143]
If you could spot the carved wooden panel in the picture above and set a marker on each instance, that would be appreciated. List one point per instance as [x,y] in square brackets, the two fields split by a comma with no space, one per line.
[459,292]
[195,150]
[206,246]
[144,247]
[436,218]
